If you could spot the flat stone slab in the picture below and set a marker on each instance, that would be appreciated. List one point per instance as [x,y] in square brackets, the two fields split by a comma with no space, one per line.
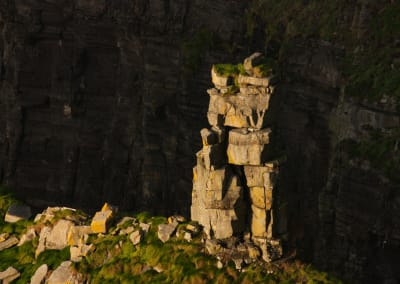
[40,274]
[17,212]
[58,237]
[9,275]
[10,242]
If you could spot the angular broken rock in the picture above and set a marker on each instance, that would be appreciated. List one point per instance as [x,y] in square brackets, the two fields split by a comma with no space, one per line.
[166,230]
[40,274]
[261,197]
[10,242]
[27,237]
[145,227]
[3,237]
[101,221]
[126,231]
[17,212]
[62,274]
[252,61]
[9,275]
[259,175]
[78,235]
[44,233]
[77,252]
[247,148]
[136,237]
[220,81]
[255,81]
[58,236]
[213,246]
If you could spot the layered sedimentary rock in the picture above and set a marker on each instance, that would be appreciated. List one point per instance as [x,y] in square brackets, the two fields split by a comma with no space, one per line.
[233,175]
[99,99]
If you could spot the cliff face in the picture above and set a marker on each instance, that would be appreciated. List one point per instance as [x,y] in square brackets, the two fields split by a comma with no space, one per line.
[103,100]
[99,100]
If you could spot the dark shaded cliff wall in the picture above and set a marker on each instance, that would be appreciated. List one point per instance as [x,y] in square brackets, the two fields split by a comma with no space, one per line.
[103,101]
[99,101]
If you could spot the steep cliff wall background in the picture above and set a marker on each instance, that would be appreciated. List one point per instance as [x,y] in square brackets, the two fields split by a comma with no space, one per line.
[103,100]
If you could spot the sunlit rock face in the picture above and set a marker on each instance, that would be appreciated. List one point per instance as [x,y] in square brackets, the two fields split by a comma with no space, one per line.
[232,184]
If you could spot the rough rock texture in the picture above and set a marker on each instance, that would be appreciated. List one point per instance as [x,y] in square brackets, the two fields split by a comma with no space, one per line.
[221,201]
[95,105]
[99,100]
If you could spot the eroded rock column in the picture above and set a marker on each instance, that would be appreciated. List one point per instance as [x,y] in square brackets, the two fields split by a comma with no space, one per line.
[235,174]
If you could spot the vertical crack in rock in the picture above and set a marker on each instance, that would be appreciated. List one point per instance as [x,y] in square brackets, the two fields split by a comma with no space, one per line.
[235,160]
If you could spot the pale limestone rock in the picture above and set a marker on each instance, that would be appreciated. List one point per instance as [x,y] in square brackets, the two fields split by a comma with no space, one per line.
[212,156]
[28,236]
[9,275]
[255,81]
[101,221]
[145,227]
[247,148]
[40,275]
[187,236]
[259,222]
[44,233]
[166,230]
[126,219]
[126,231]
[17,212]
[260,175]
[176,218]
[192,228]
[239,111]
[10,242]
[58,237]
[62,275]
[3,237]
[212,136]
[261,197]
[252,61]
[136,237]
[77,252]
[220,81]
[78,235]
[271,249]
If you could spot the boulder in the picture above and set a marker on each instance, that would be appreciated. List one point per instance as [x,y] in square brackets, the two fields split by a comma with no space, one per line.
[166,230]
[10,242]
[145,227]
[9,275]
[62,275]
[247,148]
[102,219]
[40,275]
[136,237]
[17,212]
[78,235]
[127,231]
[58,236]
